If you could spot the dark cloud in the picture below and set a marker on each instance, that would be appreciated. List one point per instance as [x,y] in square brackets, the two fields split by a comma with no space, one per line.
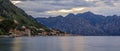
[39,8]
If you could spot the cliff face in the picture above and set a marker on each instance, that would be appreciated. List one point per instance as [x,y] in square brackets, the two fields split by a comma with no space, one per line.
[87,24]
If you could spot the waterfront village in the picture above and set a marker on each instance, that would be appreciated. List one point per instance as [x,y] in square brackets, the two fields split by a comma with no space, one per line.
[32,31]
[27,32]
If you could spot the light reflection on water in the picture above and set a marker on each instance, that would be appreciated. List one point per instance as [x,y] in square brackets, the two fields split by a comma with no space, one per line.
[73,43]
[16,44]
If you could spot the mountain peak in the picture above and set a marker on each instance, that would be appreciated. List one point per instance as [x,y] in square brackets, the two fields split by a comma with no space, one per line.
[88,13]
[60,16]
[70,15]
[86,24]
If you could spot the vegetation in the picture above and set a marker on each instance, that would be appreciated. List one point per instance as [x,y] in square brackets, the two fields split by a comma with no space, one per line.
[10,14]
[6,25]
[10,11]
[1,32]
[15,22]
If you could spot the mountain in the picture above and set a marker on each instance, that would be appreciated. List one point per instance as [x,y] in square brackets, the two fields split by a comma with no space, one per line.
[11,15]
[10,11]
[15,22]
[84,24]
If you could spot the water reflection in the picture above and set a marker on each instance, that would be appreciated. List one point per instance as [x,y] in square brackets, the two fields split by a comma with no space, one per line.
[6,44]
[16,45]
[73,43]
[102,43]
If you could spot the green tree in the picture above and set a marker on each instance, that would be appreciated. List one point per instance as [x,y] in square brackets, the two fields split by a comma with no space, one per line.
[6,25]
[1,32]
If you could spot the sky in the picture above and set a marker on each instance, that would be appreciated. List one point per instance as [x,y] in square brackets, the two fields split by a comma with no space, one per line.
[48,8]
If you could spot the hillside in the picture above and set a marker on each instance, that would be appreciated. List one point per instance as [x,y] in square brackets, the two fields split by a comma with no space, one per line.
[10,11]
[86,24]
[15,22]
[12,17]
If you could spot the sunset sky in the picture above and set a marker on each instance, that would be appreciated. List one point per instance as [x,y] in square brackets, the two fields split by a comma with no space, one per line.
[46,8]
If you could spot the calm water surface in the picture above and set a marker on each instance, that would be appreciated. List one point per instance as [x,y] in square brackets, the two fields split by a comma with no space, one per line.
[73,43]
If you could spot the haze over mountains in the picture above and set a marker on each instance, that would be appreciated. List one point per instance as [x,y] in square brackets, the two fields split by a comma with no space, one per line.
[84,24]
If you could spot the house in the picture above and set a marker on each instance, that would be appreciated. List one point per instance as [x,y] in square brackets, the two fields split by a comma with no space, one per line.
[24,32]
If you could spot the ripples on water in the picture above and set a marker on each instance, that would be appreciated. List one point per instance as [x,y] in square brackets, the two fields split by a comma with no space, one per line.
[73,43]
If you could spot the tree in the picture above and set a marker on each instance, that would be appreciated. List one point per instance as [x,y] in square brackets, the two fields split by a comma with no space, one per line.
[1,32]
[6,25]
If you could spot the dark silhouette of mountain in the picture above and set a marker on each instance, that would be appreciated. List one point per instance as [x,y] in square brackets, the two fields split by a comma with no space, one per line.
[86,24]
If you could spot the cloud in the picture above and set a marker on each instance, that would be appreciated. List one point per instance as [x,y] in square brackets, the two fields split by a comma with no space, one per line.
[64,12]
[46,8]
[106,11]
[16,2]
[67,11]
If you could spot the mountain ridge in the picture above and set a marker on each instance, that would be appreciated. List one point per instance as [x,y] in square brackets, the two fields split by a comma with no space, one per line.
[85,24]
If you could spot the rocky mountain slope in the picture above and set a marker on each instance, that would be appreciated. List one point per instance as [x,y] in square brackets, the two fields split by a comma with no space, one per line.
[86,24]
